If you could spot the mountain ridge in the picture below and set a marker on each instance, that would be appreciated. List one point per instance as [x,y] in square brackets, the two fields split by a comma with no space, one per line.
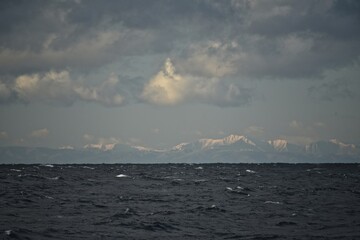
[232,148]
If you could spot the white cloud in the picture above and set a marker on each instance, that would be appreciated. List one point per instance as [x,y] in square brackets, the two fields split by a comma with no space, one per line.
[58,87]
[166,87]
[170,88]
[52,86]
[40,133]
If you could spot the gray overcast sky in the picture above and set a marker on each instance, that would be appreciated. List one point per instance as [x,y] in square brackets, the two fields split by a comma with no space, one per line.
[157,73]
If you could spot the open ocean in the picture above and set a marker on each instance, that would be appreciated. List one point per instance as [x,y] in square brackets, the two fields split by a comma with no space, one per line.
[180,201]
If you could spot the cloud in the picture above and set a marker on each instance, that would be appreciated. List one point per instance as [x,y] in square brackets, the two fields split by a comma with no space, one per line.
[330,91]
[105,94]
[94,51]
[338,84]
[103,143]
[3,135]
[215,46]
[5,92]
[211,59]
[255,130]
[298,139]
[170,88]
[88,137]
[68,147]
[51,86]
[295,124]
[59,88]
[279,39]
[304,133]
[39,133]
[166,87]
[311,128]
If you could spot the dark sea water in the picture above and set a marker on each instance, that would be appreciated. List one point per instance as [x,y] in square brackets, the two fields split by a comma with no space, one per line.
[180,201]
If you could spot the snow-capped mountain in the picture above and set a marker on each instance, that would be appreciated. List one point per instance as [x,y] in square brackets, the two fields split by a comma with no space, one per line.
[233,148]
[332,146]
[236,142]
[239,143]
[99,146]
[208,143]
[280,145]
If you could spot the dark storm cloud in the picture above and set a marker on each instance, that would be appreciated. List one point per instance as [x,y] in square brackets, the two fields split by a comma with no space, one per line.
[205,39]
[306,37]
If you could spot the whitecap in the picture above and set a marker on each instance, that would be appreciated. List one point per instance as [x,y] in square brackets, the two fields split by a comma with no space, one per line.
[8,232]
[15,170]
[87,167]
[237,191]
[250,171]
[199,168]
[178,179]
[48,165]
[200,180]
[272,202]
[122,176]
[54,178]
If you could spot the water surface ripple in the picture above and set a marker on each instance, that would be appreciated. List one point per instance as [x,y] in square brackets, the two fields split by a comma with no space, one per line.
[180,201]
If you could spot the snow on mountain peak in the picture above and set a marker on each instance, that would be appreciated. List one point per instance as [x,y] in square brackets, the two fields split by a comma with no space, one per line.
[104,147]
[179,146]
[279,144]
[341,144]
[146,149]
[208,143]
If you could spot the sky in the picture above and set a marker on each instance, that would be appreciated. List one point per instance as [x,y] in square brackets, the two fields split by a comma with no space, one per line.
[158,73]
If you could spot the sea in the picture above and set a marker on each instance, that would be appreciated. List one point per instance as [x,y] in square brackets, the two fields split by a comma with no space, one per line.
[180,201]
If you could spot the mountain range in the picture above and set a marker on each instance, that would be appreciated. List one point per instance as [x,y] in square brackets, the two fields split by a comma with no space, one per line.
[230,149]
